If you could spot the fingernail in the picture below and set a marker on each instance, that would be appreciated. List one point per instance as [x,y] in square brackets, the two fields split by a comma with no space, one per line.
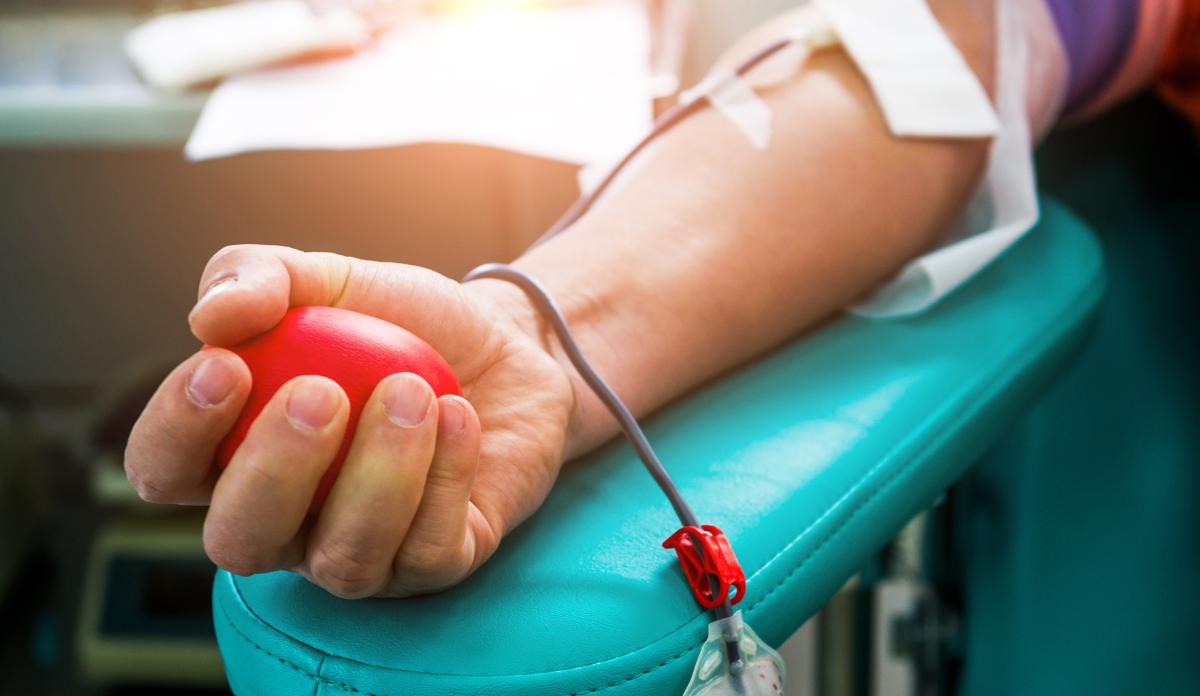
[313,403]
[212,382]
[452,417]
[407,400]
[217,288]
[213,290]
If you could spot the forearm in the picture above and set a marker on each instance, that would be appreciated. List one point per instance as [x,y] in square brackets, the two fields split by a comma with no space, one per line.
[713,252]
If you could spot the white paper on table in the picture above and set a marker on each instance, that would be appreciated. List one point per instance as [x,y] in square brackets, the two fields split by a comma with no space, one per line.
[569,84]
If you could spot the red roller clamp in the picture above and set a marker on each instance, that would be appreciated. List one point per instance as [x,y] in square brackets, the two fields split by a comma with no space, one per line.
[355,350]
[717,560]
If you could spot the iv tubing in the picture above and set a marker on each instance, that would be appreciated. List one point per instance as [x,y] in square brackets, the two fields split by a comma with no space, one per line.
[550,310]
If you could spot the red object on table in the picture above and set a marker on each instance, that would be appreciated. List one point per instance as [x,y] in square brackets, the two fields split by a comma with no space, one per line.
[355,350]
[716,560]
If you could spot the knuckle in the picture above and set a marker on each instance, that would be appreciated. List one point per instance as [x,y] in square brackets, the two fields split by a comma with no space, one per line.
[266,472]
[339,272]
[152,494]
[228,251]
[147,489]
[427,566]
[343,574]
[229,557]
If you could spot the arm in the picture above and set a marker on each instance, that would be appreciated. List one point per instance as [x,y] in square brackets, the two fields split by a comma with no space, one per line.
[713,252]
[708,255]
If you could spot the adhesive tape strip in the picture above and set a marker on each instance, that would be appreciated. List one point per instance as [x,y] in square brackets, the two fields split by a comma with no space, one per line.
[921,81]
[737,101]
[735,97]
[812,34]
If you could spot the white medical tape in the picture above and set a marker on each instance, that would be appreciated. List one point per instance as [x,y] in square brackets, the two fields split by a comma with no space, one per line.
[734,98]
[921,81]
[813,34]
[1003,208]
[738,102]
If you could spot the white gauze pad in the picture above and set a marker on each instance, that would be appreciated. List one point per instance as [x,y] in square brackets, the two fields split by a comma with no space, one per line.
[919,78]
[1004,206]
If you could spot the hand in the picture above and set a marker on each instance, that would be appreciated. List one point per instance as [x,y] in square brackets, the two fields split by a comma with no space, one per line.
[429,486]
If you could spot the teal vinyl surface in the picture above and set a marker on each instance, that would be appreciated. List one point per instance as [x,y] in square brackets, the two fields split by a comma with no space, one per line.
[810,459]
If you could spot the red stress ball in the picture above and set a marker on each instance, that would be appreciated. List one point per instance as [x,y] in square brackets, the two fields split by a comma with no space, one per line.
[355,350]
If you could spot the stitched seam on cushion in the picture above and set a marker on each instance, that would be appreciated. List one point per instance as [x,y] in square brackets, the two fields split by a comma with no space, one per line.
[298,668]
[998,380]
[639,674]
[325,655]
[347,687]
[320,666]
[237,590]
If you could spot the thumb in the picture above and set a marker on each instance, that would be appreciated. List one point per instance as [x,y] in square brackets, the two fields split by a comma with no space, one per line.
[245,290]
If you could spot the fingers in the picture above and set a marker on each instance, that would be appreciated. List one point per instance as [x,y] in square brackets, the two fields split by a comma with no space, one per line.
[442,544]
[259,503]
[169,458]
[398,521]
[377,492]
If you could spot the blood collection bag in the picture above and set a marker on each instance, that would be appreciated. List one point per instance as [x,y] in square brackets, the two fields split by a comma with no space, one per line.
[760,672]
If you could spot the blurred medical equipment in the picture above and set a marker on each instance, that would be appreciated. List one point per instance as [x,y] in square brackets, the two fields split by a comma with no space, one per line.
[145,608]
[65,81]
[179,50]
[146,616]
[184,49]
[22,484]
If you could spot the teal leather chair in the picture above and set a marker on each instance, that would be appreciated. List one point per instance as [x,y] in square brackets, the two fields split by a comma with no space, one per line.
[810,459]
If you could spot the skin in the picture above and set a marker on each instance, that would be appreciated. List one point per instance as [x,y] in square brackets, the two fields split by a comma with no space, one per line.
[715,251]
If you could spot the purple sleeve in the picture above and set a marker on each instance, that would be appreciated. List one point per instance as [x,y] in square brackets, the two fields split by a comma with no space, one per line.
[1096,35]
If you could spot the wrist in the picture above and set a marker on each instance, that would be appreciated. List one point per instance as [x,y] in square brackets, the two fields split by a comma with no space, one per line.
[588,421]
[527,325]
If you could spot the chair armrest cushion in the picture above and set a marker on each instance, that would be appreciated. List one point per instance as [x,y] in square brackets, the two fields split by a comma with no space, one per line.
[810,459]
